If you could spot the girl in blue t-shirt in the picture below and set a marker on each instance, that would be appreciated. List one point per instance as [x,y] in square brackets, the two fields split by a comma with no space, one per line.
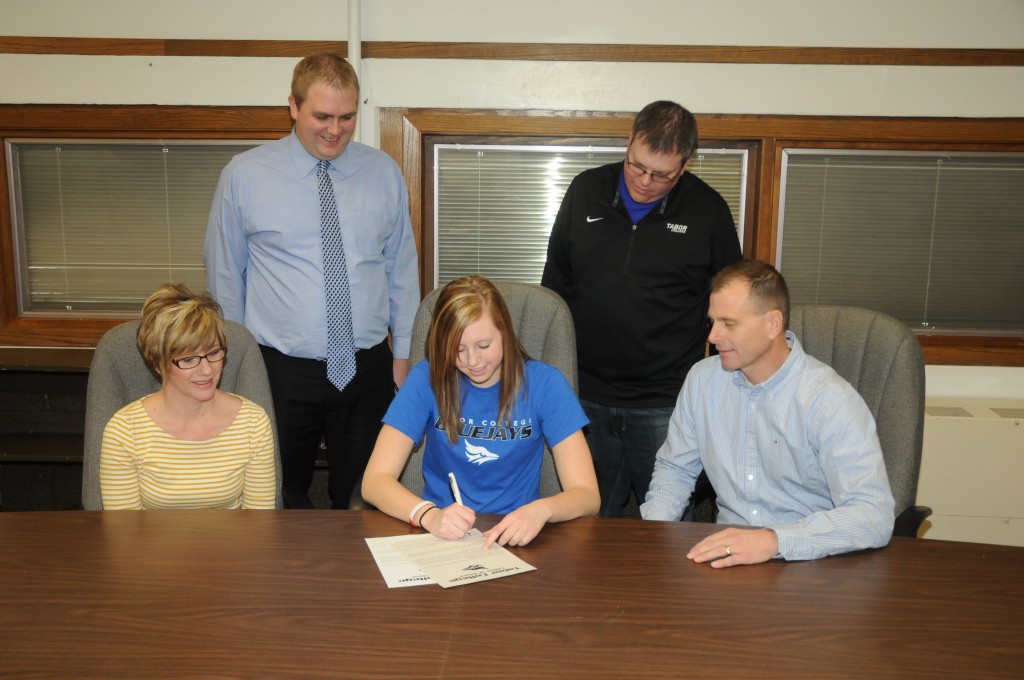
[485,410]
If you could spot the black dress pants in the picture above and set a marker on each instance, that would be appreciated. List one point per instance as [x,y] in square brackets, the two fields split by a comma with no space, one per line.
[309,408]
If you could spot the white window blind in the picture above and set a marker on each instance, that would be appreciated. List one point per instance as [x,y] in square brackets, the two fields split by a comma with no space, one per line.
[934,239]
[99,225]
[495,204]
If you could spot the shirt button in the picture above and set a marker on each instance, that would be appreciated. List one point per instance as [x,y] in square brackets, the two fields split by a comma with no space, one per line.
[751,477]
[754,512]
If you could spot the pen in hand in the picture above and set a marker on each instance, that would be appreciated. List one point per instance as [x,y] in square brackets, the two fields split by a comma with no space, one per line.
[455,488]
[461,514]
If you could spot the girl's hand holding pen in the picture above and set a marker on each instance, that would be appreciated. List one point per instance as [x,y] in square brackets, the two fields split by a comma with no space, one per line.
[451,522]
[455,520]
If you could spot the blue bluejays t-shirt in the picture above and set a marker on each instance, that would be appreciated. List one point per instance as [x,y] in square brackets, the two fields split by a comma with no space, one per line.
[497,464]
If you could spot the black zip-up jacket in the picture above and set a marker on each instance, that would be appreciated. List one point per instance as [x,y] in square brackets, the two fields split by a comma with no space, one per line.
[638,292]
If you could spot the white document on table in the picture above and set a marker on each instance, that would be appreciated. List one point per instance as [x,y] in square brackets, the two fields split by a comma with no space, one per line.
[456,563]
[418,560]
[398,572]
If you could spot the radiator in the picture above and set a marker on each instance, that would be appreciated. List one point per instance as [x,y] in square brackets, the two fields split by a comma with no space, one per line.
[972,470]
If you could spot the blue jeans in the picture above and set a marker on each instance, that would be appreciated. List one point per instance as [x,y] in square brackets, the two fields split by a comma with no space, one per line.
[623,443]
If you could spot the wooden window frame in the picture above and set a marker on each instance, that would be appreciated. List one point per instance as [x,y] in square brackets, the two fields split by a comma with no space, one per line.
[401,135]
[403,131]
[427,230]
[27,341]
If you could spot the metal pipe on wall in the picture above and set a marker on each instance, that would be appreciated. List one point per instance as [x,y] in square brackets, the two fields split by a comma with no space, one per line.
[355,44]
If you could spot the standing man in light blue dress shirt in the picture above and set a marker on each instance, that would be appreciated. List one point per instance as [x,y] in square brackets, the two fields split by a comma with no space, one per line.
[789,446]
[264,264]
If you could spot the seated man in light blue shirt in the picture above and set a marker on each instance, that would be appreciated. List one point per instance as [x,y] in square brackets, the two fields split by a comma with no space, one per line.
[789,446]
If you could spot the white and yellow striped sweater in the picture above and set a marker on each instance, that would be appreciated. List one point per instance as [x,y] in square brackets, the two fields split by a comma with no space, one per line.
[143,467]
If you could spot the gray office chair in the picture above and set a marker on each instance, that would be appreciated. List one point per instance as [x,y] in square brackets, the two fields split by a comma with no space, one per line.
[543,324]
[882,359]
[119,375]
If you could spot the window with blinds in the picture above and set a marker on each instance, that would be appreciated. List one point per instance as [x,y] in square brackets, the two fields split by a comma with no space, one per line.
[934,239]
[100,224]
[494,204]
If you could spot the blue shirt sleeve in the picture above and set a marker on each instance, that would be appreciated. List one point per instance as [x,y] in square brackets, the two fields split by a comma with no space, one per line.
[558,406]
[413,409]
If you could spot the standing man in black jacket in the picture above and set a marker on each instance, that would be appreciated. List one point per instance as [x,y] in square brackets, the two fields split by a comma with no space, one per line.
[633,250]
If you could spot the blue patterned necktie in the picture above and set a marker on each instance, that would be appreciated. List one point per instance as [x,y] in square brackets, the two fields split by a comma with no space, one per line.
[341,348]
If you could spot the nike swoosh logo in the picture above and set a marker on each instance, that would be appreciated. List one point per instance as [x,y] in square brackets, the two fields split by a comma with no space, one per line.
[594,219]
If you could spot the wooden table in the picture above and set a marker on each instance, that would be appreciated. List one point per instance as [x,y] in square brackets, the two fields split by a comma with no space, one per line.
[269,594]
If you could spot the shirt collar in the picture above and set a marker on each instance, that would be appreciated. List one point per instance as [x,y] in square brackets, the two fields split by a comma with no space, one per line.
[790,366]
[301,159]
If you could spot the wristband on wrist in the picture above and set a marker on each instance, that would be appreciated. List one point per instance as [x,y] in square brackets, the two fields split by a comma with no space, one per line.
[432,507]
[416,508]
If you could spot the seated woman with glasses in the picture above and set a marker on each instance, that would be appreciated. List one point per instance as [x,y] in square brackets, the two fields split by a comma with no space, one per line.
[190,444]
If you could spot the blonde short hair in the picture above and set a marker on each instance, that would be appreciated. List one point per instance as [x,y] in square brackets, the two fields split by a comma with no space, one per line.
[175,321]
[329,68]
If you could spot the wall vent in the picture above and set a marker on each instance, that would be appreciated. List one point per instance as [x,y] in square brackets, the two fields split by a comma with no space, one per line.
[971,467]
[948,411]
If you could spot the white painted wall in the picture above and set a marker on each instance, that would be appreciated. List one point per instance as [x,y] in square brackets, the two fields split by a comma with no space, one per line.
[975,382]
[869,23]
[704,88]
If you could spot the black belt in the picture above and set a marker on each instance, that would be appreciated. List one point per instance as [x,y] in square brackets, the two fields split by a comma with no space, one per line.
[360,354]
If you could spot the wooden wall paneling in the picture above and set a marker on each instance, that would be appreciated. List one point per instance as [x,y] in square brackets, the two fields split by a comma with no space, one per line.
[625,53]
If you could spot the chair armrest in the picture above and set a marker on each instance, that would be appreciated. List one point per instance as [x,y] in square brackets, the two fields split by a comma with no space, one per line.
[909,521]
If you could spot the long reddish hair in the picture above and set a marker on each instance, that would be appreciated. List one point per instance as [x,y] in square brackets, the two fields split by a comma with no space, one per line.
[461,303]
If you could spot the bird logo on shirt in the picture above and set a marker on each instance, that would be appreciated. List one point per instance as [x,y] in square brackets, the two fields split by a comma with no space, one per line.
[478,454]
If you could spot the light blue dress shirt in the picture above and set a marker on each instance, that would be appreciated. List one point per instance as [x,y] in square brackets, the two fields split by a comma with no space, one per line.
[264,263]
[797,453]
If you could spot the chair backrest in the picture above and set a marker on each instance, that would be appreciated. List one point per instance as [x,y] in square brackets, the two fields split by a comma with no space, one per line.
[882,359]
[119,375]
[543,324]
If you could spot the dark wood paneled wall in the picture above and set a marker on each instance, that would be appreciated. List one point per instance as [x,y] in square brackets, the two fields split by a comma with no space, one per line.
[385,49]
